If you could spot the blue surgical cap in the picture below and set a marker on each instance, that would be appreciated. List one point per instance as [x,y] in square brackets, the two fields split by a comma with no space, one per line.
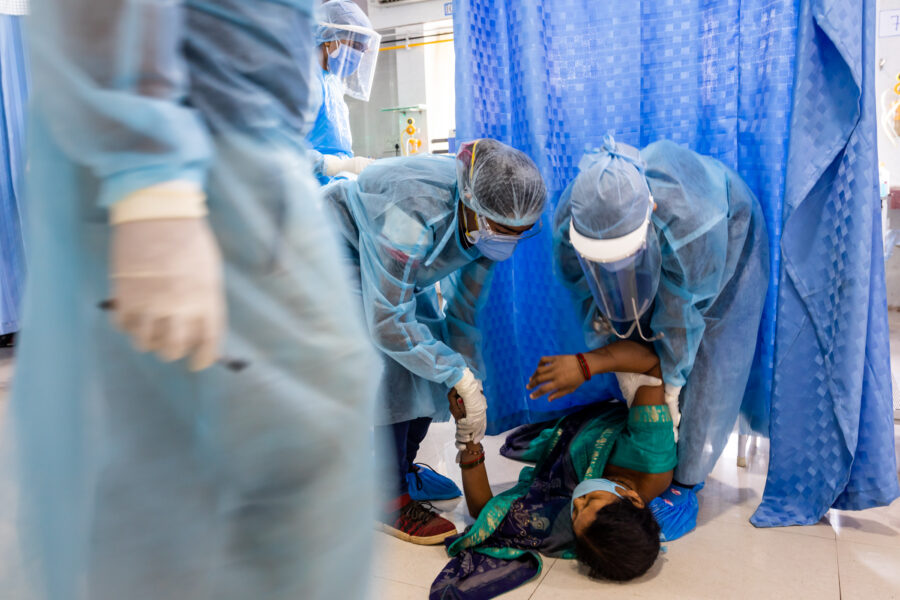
[339,12]
[610,194]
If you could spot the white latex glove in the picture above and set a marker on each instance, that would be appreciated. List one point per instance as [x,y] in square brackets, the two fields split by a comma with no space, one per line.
[473,426]
[166,277]
[672,393]
[354,164]
[630,382]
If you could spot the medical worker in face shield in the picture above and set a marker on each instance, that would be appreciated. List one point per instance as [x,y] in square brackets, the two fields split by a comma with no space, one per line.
[210,440]
[667,246]
[410,223]
[348,52]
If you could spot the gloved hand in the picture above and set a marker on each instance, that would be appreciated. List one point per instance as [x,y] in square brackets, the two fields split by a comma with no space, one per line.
[672,394]
[473,426]
[630,382]
[676,510]
[355,164]
[166,277]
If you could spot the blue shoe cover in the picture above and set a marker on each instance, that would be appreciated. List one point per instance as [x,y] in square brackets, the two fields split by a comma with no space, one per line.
[425,484]
[676,510]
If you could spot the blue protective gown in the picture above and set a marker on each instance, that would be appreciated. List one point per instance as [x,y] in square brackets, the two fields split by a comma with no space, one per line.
[140,479]
[331,131]
[399,219]
[713,242]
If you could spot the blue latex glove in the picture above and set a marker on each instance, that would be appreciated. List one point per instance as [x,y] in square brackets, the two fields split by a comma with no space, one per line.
[676,510]
[425,484]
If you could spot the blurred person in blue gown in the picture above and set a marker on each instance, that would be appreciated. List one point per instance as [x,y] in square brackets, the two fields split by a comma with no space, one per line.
[207,435]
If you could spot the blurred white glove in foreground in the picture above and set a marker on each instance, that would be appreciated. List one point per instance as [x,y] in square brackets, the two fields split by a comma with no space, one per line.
[166,277]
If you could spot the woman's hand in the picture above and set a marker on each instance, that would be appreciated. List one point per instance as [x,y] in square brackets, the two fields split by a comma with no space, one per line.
[457,407]
[557,376]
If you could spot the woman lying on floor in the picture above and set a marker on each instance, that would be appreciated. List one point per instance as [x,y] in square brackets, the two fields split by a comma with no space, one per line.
[587,495]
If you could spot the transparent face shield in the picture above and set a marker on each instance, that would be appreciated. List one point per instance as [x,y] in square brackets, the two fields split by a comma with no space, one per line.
[352,56]
[624,289]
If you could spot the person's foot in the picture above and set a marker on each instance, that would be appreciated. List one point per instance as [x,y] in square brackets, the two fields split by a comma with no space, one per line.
[416,522]
[676,510]
[425,484]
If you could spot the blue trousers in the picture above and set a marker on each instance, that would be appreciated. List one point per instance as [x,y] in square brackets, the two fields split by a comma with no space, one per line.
[404,439]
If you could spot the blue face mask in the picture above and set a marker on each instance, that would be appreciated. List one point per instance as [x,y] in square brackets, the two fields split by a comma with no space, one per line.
[594,485]
[344,61]
[495,248]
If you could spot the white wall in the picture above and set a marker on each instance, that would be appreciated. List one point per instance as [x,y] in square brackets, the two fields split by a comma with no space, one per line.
[408,76]
[440,83]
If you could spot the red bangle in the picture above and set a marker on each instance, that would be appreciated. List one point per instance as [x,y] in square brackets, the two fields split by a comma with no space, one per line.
[472,464]
[582,362]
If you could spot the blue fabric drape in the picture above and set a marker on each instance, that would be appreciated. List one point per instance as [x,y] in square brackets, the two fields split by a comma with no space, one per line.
[831,404]
[13,97]
[553,77]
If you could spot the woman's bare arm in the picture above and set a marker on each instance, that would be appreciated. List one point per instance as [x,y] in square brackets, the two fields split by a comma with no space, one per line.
[562,375]
[476,486]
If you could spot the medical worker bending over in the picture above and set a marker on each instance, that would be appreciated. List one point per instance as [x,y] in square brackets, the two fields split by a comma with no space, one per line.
[410,223]
[348,52]
[668,246]
[211,439]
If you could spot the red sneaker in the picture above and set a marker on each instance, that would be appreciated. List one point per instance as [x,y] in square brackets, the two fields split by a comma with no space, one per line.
[416,522]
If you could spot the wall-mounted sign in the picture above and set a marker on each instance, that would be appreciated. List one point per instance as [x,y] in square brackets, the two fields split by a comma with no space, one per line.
[889,23]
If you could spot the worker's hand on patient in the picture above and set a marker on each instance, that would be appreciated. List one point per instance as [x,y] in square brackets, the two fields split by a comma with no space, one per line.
[471,427]
[166,277]
[630,382]
[354,164]
[673,392]
[557,376]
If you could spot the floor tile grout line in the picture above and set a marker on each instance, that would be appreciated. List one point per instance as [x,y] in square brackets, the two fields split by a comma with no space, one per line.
[392,580]
[867,544]
[543,579]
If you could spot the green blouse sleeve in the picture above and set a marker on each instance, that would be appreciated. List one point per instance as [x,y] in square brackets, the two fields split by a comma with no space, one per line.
[647,444]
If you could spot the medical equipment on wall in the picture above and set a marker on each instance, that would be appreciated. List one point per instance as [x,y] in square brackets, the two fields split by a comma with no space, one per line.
[411,143]
[408,140]
[890,112]
[889,236]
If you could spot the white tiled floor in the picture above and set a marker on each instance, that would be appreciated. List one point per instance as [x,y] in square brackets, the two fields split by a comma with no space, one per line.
[847,555]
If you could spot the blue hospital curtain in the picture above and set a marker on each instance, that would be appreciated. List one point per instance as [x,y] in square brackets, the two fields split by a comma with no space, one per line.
[779,90]
[832,431]
[13,95]
[553,77]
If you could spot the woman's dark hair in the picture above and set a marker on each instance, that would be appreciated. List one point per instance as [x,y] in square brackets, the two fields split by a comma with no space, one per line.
[622,543]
